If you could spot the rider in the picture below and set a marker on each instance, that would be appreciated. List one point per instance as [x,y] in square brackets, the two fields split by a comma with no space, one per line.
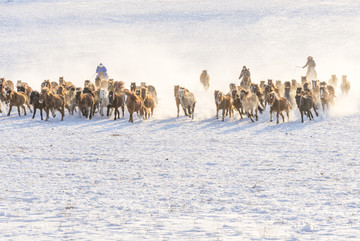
[244,72]
[311,73]
[101,69]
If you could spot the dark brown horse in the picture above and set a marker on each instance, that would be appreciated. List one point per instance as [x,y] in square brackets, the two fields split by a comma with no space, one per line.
[117,101]
[35,102]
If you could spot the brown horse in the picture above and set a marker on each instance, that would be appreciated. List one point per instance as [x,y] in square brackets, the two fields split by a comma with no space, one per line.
[117,101]
[47,84]
[278,105]
[85,102]
[177,100]
[6,84]
[237,102]
[205,79]
[35,102]
[149,102]
[133,87]
[327,96]
[52,102]
[133,104]
[16,99]
[224,103]
[150,90]
[305,103]
[255,88]
[345,85]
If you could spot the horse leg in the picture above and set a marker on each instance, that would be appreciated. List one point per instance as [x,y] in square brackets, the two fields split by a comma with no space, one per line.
[53,112]
[47,113]
[62,111]
[34,112]
[28,105]
[91,112]
[108,110]
[311,115]
[116,111]
[250,116]
[287,114]
[123,110]
[41,114]
[223,114]
[256,114]
[302,116]
[178,109]
[23,107]
[18,107]
[185,111]
[271,115]
[317,114]
[283,117]
[193,110]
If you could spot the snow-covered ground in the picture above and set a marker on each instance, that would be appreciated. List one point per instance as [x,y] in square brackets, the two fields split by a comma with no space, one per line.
[172,178]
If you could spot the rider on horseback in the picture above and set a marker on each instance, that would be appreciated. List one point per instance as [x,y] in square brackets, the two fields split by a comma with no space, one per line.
[245,75]
[245,72]
[311,72]
[101,72]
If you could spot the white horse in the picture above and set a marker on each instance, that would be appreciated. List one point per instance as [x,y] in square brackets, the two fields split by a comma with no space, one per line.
[104,102]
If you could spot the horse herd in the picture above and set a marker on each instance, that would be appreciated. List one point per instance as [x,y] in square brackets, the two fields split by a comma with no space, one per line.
[248,99]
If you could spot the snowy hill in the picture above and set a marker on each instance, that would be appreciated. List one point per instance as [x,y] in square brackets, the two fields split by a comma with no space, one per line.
[172,178]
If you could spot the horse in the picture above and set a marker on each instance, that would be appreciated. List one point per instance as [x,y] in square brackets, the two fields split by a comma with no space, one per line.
[104,102]
[116,101]
[85,102]
[254,88]
[150,90]
[326,96]
[149,102]
[52,102]
[133,103]
[345,85]
[333,81]
[224,103]
[177,100]
[245,82]
[278,105]
[187,101]
[6,84]
[250,104]
[35,102]
[305,103]
[205,79]
[237,102]
[18,99]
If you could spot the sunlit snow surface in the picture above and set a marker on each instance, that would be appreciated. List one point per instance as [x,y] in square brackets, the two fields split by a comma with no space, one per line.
[172,178]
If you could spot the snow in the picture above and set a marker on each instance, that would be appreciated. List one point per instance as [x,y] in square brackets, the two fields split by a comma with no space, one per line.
[173,178]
